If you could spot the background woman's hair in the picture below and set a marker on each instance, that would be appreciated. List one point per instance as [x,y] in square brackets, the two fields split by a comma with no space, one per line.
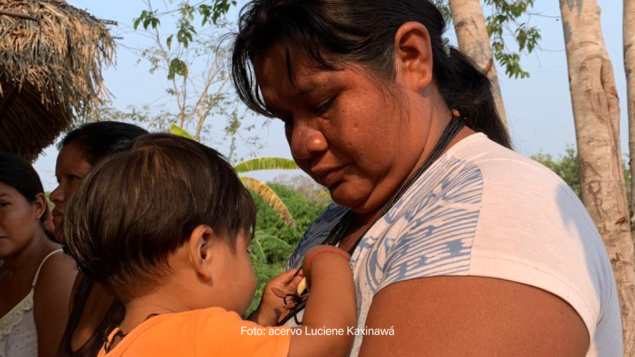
[332,32]
[101,138]
[18,173]
[139,205]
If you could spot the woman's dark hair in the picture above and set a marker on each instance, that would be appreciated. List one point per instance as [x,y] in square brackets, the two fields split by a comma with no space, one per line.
[139,205]
[101,138]
[332,32]
[18,173]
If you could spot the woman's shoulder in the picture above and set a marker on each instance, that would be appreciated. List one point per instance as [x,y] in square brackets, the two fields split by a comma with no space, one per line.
[55,276]
[55,266]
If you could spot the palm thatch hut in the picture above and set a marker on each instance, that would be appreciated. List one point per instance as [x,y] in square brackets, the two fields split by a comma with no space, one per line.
[51,57]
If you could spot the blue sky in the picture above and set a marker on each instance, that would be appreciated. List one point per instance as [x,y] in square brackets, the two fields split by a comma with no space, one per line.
[538,108]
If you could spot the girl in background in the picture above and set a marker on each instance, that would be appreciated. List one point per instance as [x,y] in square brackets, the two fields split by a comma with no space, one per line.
[35,276]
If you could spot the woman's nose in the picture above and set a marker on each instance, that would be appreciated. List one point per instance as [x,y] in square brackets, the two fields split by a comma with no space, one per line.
[306,142]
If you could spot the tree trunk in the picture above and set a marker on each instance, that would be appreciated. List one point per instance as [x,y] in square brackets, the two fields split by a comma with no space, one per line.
[471,33]
[629,66]
[596,114]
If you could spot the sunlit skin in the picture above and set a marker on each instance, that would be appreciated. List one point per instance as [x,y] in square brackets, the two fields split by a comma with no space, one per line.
[362,138]
[23,245]
[70,170]
[20,228]
[356,136]
[205,272]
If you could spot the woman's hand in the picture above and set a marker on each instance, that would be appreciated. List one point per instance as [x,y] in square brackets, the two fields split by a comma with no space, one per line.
[272,301]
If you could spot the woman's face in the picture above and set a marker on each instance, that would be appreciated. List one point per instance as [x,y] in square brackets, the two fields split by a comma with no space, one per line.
[70,170]
[19,220]
[346,130]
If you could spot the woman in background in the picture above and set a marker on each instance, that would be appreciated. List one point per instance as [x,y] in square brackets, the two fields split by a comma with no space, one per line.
[93,310]
[35,276]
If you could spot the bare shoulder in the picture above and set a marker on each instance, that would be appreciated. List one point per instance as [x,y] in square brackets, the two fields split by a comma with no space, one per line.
[57,275]
[476,316]
[58,266]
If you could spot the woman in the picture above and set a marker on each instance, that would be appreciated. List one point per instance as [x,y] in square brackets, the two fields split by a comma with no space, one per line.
[460,245]
[35,276]
[93,310]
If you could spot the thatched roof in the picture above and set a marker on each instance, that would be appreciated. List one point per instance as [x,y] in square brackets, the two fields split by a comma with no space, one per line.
[51,57]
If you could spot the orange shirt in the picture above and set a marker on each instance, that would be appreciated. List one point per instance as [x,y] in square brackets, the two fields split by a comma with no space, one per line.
[209,332]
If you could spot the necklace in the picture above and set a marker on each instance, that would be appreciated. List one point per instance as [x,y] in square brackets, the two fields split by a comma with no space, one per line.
[108,342]
[339,231]
[295,303]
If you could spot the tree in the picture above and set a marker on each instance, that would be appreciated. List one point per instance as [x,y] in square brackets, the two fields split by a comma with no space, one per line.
[629,66]
[473,38]
[187,43]
[211,12]
[483,38]
[566,166]
[596,115]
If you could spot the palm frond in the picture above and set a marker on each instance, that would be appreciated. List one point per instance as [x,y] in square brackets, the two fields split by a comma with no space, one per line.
[271,198]
[257,251]
[177,130]
[265,163]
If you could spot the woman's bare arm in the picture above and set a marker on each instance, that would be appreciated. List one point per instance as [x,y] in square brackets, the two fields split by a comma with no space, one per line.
[331,306]
[51,297]
[473,316]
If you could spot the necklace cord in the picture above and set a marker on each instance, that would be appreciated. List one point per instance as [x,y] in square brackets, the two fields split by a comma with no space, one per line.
[339,230]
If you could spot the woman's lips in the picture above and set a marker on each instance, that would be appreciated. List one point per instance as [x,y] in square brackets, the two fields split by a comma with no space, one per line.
[328,176]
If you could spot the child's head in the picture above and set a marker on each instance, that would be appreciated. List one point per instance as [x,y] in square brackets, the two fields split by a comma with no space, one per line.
[169,214]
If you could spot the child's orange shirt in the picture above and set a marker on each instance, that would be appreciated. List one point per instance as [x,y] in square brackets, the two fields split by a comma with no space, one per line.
[209,332]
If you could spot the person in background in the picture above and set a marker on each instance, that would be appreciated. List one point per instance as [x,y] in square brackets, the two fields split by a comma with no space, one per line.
[178,256]
[92,309]
[464,246]
[36,278]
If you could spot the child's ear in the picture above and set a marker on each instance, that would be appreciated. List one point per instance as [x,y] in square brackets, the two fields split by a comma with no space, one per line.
[201,251]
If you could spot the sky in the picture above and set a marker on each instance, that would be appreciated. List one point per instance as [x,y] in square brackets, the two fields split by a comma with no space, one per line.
[538,108]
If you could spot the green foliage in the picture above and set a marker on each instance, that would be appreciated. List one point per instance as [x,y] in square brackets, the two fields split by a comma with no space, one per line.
[210,12]
[509,18]
[178,131]
[264,273]
[566,166]
[274,241]
[265,163]
[504,14]
[303,211]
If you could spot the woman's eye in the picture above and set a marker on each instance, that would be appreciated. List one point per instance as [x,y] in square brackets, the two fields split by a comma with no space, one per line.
[73,178]
[319,111]
[4,204]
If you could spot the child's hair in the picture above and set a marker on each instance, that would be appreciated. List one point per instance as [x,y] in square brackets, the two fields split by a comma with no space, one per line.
[18,173]
[138,206]
[101,138]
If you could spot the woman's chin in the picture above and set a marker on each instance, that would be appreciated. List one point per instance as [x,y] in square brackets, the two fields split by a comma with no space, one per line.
[348,195]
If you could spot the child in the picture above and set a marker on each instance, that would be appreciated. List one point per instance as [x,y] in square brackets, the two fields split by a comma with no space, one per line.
[165,226]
